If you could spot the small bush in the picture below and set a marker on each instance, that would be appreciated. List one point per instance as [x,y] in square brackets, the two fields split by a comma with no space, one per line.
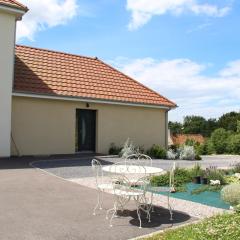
[114,150]
[210,147]
[236,168]
[231,194]
[201,149]
[215,174]
[196,171]
[231,179]
[128,149]
[181,177]
[171,154]
[197,157]
[157,151]
[187,153]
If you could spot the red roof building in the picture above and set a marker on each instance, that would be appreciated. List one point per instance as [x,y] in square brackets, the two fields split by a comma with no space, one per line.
[45,72]
[60,103]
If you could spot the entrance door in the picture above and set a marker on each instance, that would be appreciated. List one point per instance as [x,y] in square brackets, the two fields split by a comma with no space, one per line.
[86,130]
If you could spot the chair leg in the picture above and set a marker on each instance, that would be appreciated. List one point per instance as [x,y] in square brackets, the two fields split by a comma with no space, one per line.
[170,209]
[114,213]
[100,200]
[152,207]
[98,203]
[138,212]
[139,217]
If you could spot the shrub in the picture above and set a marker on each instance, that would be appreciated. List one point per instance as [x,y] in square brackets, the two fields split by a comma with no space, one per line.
[197,157]
[201,149]
[215,174]
[114,150]
[181,177]
[187,153]
[231,194]
[210,147]
[128,149]
[234,144]
[157,151]
[236,168]
[231,179]
[219,139]
[171,154]
[196,171]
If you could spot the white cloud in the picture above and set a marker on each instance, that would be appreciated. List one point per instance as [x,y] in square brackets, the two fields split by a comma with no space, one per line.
[185,82]
[143,10]
[45,14]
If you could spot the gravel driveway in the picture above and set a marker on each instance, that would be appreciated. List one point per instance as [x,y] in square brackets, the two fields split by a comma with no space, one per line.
[81,167]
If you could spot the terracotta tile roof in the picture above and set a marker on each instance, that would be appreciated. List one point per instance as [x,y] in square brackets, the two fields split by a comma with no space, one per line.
[13,3]
[40,71]
[180,139]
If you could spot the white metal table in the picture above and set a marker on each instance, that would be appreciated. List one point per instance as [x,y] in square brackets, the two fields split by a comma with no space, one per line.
[132,169]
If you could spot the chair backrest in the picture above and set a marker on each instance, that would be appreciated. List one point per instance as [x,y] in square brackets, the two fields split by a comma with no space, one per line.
[139,159]
[171,176]
[123,180]
[145,159]
[97,170]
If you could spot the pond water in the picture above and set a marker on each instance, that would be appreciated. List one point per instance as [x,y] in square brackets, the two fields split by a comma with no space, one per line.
[209,198]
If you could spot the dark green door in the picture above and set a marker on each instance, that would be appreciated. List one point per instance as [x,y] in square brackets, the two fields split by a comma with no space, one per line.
[86,130]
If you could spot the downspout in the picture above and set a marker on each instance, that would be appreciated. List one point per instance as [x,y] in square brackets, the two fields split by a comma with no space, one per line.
[166,128]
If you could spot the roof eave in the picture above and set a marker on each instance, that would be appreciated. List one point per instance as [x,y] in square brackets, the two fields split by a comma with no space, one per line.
[18,12]
[90,100]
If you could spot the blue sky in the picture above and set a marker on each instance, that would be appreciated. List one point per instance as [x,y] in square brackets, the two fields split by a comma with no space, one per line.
[187,50]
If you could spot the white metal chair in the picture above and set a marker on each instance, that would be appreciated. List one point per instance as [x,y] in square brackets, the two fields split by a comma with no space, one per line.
[167,189]
[101,184]
[140,159]
[124,191]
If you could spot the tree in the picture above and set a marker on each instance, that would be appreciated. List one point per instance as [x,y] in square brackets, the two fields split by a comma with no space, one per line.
[175,127]
[211,125]
[219,139]
[194,125]
[238,126]
[229,120]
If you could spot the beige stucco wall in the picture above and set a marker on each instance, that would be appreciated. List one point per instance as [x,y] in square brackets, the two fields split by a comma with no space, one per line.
[7,41]
[42,126]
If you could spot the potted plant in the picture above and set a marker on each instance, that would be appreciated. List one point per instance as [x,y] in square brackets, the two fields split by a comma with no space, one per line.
[197,174]
[204,178]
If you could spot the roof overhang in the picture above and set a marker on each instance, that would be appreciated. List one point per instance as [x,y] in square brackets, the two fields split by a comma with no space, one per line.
[12,10]
[89,100]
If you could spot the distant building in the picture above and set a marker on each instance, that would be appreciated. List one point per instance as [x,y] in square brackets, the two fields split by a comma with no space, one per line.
[180,139]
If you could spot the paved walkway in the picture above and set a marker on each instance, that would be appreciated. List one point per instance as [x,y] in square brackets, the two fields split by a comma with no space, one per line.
[37,206]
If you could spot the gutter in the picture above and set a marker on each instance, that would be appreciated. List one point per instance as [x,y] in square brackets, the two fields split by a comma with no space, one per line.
[90,100]
[12,10]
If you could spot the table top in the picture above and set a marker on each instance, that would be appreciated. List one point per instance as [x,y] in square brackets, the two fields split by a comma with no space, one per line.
[132,169]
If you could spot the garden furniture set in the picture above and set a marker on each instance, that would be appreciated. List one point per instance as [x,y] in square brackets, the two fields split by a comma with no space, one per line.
[129,179]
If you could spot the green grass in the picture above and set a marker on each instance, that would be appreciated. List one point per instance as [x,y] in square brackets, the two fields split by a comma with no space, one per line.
[221,227]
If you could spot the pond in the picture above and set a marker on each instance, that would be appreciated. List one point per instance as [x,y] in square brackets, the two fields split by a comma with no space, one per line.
[209,198]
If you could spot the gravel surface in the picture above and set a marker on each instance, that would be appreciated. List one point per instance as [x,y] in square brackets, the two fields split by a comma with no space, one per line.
[81,167]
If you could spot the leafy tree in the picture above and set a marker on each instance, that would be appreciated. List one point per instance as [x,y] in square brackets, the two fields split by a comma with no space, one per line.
[194,125]
[219,139]
[211,125]
[229,120]
[234,144]
[238,126]
[175,127]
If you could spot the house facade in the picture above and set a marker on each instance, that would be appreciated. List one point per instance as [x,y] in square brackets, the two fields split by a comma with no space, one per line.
[59,103]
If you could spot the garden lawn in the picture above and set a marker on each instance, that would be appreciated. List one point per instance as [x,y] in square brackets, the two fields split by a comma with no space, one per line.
[221,227]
